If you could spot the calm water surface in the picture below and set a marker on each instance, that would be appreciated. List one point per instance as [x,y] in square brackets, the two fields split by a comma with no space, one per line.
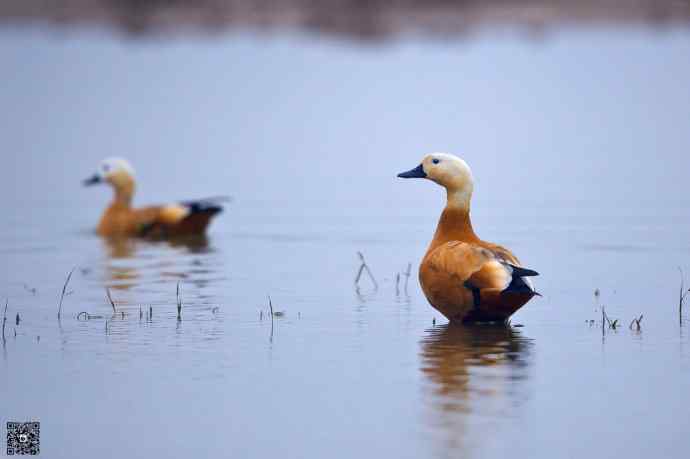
[579,146]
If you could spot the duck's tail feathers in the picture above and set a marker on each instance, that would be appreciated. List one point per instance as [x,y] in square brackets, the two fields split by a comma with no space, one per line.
[209,206]
[200,214]
[184,219]
[522,272]
[196,208]
[520,285]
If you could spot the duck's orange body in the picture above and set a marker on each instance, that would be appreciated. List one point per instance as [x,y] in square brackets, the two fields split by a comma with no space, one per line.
[463,277]
[121,219]
[157,221]
[468,279]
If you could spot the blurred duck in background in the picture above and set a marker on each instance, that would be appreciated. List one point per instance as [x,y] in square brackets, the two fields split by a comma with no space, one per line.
[463,277]
[172,220]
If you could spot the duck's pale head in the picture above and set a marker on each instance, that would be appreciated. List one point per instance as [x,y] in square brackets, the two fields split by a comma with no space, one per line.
[115,171]
[119,174]
[450,172]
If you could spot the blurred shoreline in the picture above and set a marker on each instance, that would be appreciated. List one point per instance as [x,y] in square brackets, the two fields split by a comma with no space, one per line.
[355,19]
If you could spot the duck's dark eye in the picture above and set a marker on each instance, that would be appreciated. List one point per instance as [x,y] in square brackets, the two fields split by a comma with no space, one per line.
[435,160]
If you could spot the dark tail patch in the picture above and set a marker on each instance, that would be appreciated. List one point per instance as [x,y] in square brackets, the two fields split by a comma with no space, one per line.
[200,214]
[206,207]
[523,272]
[210,206]
[517,284]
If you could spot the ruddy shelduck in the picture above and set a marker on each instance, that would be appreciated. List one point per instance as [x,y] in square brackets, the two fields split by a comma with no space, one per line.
[120,219]
[463,277]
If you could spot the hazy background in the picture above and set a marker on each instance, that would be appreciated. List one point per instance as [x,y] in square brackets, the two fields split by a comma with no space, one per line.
[322,119]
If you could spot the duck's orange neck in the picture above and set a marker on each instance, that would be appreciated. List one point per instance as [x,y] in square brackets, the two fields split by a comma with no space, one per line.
[455,223]
[123,194]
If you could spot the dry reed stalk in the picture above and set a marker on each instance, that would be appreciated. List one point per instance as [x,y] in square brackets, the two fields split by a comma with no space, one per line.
[64,290]
[110,299]
[364,267]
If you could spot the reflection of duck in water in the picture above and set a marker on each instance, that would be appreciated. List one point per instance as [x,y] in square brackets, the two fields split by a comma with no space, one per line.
[465,278]
[120,276]
[119,247]
[171,220]
[450,352]
[125,256]
[474,374]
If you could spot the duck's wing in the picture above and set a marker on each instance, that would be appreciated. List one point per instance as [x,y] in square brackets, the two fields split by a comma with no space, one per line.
[486,276]
[469,263]
[213,201]
[186,218]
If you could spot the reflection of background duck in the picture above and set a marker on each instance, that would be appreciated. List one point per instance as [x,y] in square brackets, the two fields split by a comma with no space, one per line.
[126,259]
[471,370]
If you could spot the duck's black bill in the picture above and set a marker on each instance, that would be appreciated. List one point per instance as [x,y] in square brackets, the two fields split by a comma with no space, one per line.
[92,180]
[417,172]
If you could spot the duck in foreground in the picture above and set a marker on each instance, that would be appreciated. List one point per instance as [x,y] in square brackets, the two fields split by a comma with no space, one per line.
[173,220]
[463,277]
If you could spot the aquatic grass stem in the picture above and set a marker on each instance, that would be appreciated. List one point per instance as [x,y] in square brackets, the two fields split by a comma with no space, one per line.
[636,322]
[64,291]
[179,304]
[4,321]
[364,267]
[681,296]
[110,299]
[270,306]
[606,321]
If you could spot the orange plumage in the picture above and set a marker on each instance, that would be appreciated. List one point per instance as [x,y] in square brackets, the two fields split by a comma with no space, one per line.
[121,219]
[463,277]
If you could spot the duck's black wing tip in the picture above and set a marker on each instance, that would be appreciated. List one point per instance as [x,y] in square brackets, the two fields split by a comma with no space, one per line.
[204,208]
[523,272]
[210,206]
[518,284]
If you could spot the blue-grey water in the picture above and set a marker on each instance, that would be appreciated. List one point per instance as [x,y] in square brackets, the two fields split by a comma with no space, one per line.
[579,144]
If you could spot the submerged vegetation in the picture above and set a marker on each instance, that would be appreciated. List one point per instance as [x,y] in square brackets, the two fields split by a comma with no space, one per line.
[110,300]
[179,304]
[64,291]
[364,268]
[681,296]
[612,324]
[405,273]
[607,323]
[636,322]
[4,321]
